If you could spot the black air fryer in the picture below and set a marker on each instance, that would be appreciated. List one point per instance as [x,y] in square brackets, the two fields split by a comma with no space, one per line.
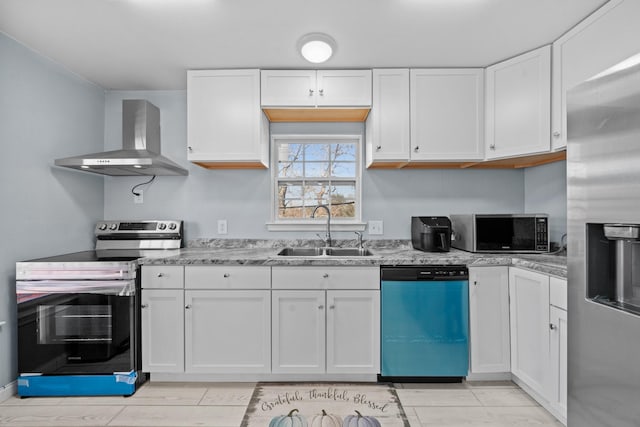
[431,233]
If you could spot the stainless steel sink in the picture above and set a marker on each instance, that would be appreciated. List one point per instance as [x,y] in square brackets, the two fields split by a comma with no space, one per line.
[325,252]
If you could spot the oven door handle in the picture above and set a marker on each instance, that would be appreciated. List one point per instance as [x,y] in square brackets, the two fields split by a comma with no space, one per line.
[102,287]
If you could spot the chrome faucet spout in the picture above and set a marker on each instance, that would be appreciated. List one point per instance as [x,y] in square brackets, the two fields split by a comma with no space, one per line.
[313,215]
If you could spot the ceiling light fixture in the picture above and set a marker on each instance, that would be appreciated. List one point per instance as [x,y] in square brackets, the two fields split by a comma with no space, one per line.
[316,47]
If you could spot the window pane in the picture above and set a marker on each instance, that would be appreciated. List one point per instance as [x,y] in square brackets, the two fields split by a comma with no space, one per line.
[317,170]
[290,170]
[316,152]
[316,193]
[344,170]
[343,152]
[343,201]
[290,190]
[290,152]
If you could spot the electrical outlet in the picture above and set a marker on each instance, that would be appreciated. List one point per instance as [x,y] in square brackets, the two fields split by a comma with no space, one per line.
[139,198]
[222,226]
[375,227]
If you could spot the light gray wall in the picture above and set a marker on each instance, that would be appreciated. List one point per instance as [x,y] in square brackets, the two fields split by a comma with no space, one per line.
[242,196]
[545,191]
[45,112]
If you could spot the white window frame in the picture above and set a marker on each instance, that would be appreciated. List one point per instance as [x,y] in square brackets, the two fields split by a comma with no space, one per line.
[319,224]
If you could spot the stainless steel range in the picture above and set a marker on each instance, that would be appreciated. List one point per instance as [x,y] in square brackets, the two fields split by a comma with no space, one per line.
[79,313]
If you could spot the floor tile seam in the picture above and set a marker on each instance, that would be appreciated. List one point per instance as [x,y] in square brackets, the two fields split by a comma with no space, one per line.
[532,402]
[115,416]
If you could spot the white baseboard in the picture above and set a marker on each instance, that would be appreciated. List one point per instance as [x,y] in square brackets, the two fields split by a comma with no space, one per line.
[7,391]
[190,377]
[492,376]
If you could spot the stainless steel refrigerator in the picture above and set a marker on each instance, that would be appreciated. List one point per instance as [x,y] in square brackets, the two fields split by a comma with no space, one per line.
[603,211]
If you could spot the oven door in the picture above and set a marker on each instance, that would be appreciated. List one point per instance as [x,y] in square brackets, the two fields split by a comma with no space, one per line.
[76,327]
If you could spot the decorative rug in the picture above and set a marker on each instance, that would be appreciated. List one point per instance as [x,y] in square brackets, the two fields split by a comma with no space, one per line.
[324,405]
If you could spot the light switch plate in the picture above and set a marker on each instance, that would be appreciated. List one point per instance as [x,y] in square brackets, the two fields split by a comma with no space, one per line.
[375,227]
[222,226]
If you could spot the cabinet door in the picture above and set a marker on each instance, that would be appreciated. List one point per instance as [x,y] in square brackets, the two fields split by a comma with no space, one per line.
[325,277]
[558,355]
[288,88]
[298,331]
[447,121]
[224,121]
[603,39]
[529,314]
[353,332]
[163,330]
[518,105]
[228,331]
[348,88]
[489,319]
[388,122]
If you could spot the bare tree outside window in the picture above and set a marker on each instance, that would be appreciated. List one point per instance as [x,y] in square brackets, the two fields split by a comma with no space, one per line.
[316,172]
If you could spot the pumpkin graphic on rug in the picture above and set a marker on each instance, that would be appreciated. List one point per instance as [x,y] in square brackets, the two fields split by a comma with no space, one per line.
[326,420]
[289,420]
[360,421]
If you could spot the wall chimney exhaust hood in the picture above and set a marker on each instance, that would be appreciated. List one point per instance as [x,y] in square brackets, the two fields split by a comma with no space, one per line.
[140,153]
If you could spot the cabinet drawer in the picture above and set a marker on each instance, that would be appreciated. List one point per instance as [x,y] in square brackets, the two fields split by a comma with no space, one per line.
[320,277]
[227,277]
[162,276]
[558,292]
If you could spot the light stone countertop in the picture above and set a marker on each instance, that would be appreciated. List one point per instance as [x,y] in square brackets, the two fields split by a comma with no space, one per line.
[387,252]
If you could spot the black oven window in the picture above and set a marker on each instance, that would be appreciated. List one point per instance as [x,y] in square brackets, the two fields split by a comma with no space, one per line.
[74,323]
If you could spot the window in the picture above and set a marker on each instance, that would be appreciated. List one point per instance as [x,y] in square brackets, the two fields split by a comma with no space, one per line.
[314,170]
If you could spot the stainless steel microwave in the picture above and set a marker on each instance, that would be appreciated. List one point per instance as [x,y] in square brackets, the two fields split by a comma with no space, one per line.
[523,233]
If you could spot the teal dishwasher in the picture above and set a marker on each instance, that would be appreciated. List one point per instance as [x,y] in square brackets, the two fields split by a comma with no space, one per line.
[424,323]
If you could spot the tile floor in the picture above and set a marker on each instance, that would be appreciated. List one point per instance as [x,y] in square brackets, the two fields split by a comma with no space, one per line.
[470,404]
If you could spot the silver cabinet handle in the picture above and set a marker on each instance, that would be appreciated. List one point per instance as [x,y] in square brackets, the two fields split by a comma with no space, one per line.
[188,306]
[417,148]
[144,305]
[225,275]
[325,275]
[190,148]
[160,274]
[379,147]
[320,307]
[332,307]
[321,92]
[552,326]
[310,92]
[475,283]
[492,147]
[556,134]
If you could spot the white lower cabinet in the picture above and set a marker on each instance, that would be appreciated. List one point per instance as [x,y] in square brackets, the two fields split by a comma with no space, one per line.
[326,320]
[489,320]
[298,325]
[162,330]
[227,331]
[212,319]
[558,347]
[529,315]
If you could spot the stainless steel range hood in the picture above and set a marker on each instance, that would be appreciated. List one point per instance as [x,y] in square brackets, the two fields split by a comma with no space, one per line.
[140,153]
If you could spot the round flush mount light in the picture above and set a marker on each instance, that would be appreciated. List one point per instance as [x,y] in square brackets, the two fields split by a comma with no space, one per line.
[316,47]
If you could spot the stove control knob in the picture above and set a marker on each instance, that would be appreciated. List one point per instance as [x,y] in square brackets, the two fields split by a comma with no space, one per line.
[172,226]
[162,226]
[113,226]
[102,227]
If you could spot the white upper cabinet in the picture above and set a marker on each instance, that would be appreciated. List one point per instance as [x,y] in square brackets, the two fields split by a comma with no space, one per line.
[387,127]
[447,118]
[605,38]
[225,125]
[518,105]
[311,88]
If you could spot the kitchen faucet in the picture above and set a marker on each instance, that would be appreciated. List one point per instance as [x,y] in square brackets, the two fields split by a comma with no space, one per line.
[313,215]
